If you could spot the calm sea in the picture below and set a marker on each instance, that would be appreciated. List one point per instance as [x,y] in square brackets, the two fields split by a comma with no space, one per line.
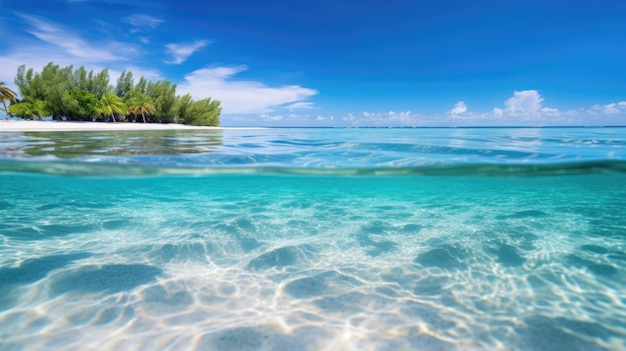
[314,239]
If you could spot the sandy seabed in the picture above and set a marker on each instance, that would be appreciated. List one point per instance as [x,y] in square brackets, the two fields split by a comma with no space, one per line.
[49,126]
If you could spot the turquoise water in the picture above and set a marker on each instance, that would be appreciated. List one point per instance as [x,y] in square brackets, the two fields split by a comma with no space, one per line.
[314,239]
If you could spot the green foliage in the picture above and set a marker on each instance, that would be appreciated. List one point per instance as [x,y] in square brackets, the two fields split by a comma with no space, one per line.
[6,94]
[100,83]
[80,104]
[124,83]
[22,110]
[163,95]
[204,113]
[111,105]
[181,106]
[140,104]
[79,94]
[30,110]
[141,85]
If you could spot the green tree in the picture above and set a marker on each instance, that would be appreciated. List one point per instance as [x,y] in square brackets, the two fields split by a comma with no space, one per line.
[111,104]
[163,95]
[100,83]
[78,94]
[124,83]
[80,104]
[41,108]
[204,113]
[37,109]
[181,106]
[6,94]
[22,80]
[22,110]
[80,78]
[141,85]
[141,104]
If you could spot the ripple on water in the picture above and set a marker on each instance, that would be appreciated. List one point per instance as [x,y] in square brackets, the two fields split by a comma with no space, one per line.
[562,334]
[524,215]
[507,255]
[192,251]
[319,284]
[104,279]
[595,249]
[450,257]
[31,271]
[267,337]
[596,268]
[280,258]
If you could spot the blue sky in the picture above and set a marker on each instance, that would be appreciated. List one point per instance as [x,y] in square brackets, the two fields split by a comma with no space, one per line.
[346,63]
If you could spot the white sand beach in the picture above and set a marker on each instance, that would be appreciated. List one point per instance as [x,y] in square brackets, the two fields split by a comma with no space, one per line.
[61,126]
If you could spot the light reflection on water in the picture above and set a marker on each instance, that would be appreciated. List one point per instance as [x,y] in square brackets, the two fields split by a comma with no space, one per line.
[310,263]
[68,145]
[511,239]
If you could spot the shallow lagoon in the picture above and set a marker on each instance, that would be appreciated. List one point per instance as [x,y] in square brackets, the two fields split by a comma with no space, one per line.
[314,239]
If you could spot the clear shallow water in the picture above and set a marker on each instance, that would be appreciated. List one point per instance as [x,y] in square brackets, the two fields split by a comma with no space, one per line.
[309,239]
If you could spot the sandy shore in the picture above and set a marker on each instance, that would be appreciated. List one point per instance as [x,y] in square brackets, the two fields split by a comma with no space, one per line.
[50,126]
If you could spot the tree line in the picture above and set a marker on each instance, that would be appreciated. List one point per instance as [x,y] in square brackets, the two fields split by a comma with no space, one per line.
[78,95]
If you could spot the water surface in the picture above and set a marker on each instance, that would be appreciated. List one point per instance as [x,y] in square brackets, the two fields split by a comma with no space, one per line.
[314,239]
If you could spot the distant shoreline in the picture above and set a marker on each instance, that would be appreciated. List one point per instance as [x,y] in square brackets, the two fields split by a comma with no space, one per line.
[68,126]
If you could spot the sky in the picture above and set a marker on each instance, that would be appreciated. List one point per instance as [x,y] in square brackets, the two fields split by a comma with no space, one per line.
[341,63]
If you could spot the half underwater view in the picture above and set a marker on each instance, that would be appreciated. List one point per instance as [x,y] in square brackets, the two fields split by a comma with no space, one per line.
[314,239]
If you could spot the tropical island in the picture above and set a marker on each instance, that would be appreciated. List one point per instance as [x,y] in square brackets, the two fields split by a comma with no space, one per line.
[77,95]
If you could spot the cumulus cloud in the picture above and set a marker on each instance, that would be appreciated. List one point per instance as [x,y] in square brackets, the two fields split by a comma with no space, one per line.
[525,103]
[552,112]
[614,108]
[181,52]
[611,109]
[458,109]
[240,96]
[382,119]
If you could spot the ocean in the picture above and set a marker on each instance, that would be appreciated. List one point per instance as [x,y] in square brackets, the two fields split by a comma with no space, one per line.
[314,239]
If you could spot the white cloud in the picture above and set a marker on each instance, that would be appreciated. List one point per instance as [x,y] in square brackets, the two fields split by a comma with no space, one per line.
[64,47]
[525,103]
[552,112]
[73,45]
[181,52]
[239,96]
[404,116]
[614,108]
[594,110]
[382,119]
[611,109]
[302,105]
[458,109]
[139,21]
[271,117]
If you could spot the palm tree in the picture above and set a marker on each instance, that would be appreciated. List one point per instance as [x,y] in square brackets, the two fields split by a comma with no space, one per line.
[6,94]
[141,104]
[111,104]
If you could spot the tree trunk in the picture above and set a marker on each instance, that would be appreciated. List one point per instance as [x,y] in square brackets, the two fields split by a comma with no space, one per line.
[6,110]
[112,117]
[144,117]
